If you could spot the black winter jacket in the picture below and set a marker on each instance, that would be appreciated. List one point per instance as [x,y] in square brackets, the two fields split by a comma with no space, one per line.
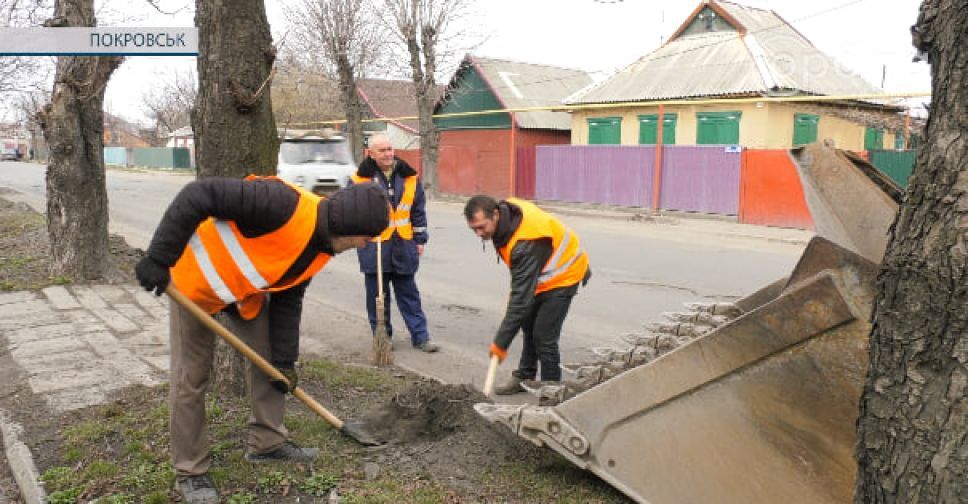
[399,255]
[257,207]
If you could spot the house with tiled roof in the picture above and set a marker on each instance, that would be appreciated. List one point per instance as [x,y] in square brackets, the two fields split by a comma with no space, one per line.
[721,69]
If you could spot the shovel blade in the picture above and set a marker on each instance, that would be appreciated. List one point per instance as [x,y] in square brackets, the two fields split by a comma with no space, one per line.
[358,431]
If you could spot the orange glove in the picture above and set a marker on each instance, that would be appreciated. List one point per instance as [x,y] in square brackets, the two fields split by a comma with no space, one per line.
[498,352]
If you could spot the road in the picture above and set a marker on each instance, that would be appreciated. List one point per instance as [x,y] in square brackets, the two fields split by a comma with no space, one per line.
[640,269]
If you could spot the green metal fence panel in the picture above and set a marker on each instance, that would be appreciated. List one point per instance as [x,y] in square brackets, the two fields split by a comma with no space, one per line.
[178,158]
[117,156]
[897,164]
[181,158]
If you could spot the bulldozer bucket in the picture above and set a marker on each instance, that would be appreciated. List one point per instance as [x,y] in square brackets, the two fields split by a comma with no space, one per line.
[761,408]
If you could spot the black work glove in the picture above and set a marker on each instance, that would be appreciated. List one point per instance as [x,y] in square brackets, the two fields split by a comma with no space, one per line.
[152,275]
[290,374]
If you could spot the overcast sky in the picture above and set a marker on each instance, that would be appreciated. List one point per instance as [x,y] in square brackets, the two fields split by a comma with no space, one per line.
[867,36]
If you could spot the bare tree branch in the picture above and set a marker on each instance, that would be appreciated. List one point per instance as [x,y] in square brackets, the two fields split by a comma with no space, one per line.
[423,27]
[339,37]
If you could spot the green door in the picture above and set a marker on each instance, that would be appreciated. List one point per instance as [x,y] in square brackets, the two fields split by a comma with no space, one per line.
[804,129]
[605,131]
[717,127]
[649,125]
[873,139]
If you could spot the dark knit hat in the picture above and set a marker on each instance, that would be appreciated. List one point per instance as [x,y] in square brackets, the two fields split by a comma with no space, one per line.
[358,210]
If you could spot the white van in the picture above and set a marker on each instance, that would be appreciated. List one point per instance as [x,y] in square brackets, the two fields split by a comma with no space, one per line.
[319,162]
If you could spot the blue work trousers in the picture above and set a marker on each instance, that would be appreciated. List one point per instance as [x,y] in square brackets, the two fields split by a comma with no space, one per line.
[408,301]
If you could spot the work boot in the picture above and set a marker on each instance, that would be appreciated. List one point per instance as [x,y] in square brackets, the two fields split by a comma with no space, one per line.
[427,346]
[197,489]
[288,452]
[510,387]
[536,384]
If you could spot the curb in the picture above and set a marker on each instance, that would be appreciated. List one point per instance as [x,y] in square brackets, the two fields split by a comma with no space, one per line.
[21,462]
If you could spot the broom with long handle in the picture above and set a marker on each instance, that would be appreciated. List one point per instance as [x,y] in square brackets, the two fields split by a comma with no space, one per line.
[382,353]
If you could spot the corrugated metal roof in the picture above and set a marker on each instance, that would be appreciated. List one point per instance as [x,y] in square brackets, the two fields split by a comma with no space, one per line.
[521,85]
[392,98]
[766,55]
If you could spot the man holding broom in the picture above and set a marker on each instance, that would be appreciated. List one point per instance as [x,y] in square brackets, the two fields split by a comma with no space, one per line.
[401,244]
[248,249]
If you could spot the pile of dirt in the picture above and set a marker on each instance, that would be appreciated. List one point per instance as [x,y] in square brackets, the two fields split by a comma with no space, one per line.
[433,428]
[427,410]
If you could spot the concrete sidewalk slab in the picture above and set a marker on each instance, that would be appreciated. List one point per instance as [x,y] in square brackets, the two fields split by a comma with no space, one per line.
[84,340]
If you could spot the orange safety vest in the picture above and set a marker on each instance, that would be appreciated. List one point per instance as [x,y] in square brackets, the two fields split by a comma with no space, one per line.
[568,262]
[220,266]
[400,217]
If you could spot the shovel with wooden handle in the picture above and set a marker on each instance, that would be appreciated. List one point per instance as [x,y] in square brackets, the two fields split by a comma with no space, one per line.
[354,430]
[489,379]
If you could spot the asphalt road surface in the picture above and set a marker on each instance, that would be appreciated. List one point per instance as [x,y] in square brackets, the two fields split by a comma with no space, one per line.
[640,269]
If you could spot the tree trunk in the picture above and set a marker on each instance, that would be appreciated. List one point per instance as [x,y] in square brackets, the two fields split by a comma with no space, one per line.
[73,126]
[422,66]
[429,139]
[912,440]
[235,134]
[353,107]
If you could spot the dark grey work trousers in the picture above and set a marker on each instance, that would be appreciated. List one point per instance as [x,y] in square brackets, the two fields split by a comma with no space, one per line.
[542,330]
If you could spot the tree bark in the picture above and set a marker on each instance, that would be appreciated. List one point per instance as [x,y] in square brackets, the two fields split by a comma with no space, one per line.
[353,106]
[420,33]
[912,440]
[235,134]
[73,126]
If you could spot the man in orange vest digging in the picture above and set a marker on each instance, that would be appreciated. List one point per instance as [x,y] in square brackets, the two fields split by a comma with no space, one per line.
[246,248]
[403,241]
[547,264]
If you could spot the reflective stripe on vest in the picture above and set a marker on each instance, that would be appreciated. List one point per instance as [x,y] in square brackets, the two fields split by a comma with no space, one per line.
[208,270]
[221,266]
[550,271]
[400,218]
[568,262]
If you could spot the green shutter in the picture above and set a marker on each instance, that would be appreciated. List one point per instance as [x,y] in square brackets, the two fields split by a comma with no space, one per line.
[804,129]
[605,131]
[873,139]
[649,125]
[899,140]
[717,127]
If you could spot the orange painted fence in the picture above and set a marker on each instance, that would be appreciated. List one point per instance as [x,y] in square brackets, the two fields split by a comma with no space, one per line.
[770,191]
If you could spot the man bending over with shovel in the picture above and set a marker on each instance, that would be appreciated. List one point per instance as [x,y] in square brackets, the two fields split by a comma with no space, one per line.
[246,248]
[547,263]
